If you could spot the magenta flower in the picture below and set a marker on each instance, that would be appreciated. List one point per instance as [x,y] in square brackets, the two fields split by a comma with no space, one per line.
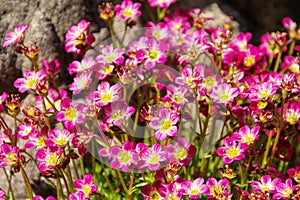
[181,152]
[152,157]
[25,129]
[117,112]
[128,10]
[216,189]
[105,94]
[77,39]
[38,197]
[3,97]
[2,195]
[266,184]
[153,53]
[123,158]
[31,80]
[51,68]
[86,185]
[171,191]
[294,173]
[110,56]
[232,151]
[77,196]
[193,188]
[190,77]
[284,190]
[53,97]
[161,3]
[224,94]
[151,192]
[176,95]
[8,155]
[164,124]
[48,158]
[59,138]
[36,139]
[292,28]
[16,36]
[81,82]
[262,92]
[247,135]
[292,114]
[86,64]
[70,114]
[291,63]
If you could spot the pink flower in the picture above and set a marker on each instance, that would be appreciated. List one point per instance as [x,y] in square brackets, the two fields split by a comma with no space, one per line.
[38,197]
[292,115]
[193,188]
[224,94]
[31,80]
[110,55]
[86,64]
[171,191]
[51,68]
[117,112]
[232,151]
[2,195]
[8,155]
[16,36]
[81,82]
[123,158]
[3,97]
[77,39]
[176,95]
[216,189]
[70,114]
[37,139]
[190,77]
[151,192]
[25,129]
[86,185]
[77,196]
[161,3]
[266,184]
[181,152]
[59,138]
[153,53]
[48,158]
[284,190]
[53,97]
[294,173]
[105,94]
[247,135]
[262,92]
[292,28]
[128,10]
[152,157]
[164,124]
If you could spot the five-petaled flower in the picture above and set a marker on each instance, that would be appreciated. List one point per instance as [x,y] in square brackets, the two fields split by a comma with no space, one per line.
[128,10]
[86,185]
[17,36]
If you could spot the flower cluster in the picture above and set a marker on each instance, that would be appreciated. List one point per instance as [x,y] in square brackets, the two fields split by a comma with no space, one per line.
[241,101]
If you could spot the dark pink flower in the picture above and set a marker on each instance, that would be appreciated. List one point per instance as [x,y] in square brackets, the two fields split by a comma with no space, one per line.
[86,185]
[153,157]
[16,36]
[123,158]
[2,195]
[247,135]
[105,94]
[216,189]
[117,112]
[160,3]
[232,151]
[48,158]
[31,80]
[51,68]
[292,28]
[284,190]
[193,188]
[59,138]
[36,139]
[164,124]
[128,10]
[78,196]
[266,184]
[8,155]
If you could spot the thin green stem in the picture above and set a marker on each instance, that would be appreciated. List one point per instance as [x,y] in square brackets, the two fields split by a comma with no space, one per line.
[291,48]
[81,165]
[10,190]
[27,182]
[277,61]
[265,158]
[122,182]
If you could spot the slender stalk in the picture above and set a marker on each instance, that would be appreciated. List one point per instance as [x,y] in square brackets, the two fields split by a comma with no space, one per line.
[65,180]
[70,178]
[291,48]
[27,182]
[265,158]
[45,109]
[274,147]
[131,185]
[10,190]
[277,61]
[75,168]
[58,189]
[122,181]
[81,165]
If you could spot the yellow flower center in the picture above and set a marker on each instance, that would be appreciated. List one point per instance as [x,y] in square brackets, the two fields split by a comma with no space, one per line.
[154,195]
[287,192]
[86,189]
[71,114]
[210,82]
[248,138]
[40,141]
[223,97]
[111,58]
[233,152]
[154,159]
[166,125]
[263,94]
[107,97]
[215,190]
[124,157]
[153,55]
[31,83]
[248,61]
[61,140]
[107,70]
[11,158]
[180,153]
[51,159]
[177,98]
[194,192]
[127,13]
